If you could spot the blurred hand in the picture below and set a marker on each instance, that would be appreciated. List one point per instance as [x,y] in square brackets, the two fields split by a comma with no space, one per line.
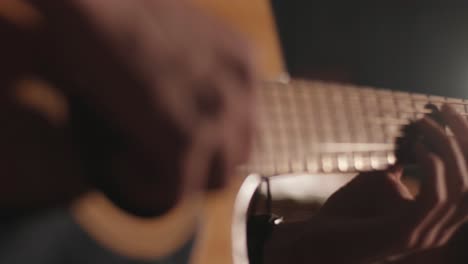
[374,216]
[160,96]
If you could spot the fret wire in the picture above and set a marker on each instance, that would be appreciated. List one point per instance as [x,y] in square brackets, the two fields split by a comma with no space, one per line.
[398,109]
[311,117]
[414,110]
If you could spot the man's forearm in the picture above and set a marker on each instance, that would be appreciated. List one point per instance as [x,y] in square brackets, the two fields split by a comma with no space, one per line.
[322,241]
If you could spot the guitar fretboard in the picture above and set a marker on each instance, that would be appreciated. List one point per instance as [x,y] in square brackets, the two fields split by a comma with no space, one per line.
[314,126]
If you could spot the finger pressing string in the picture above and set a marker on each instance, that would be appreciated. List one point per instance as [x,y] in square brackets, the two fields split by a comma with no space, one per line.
[449,151]
[431,199]
[458,125]
[459,217]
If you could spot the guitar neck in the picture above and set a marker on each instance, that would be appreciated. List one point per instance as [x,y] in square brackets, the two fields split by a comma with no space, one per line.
[323,127]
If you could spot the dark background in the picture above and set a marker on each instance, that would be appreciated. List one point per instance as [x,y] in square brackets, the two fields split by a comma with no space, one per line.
[410,45]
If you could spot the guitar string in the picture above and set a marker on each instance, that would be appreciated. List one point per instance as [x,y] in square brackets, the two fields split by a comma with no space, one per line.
[280,104]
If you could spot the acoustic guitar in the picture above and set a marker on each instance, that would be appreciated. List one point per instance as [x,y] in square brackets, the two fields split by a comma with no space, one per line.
[307,129]
[313,136]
